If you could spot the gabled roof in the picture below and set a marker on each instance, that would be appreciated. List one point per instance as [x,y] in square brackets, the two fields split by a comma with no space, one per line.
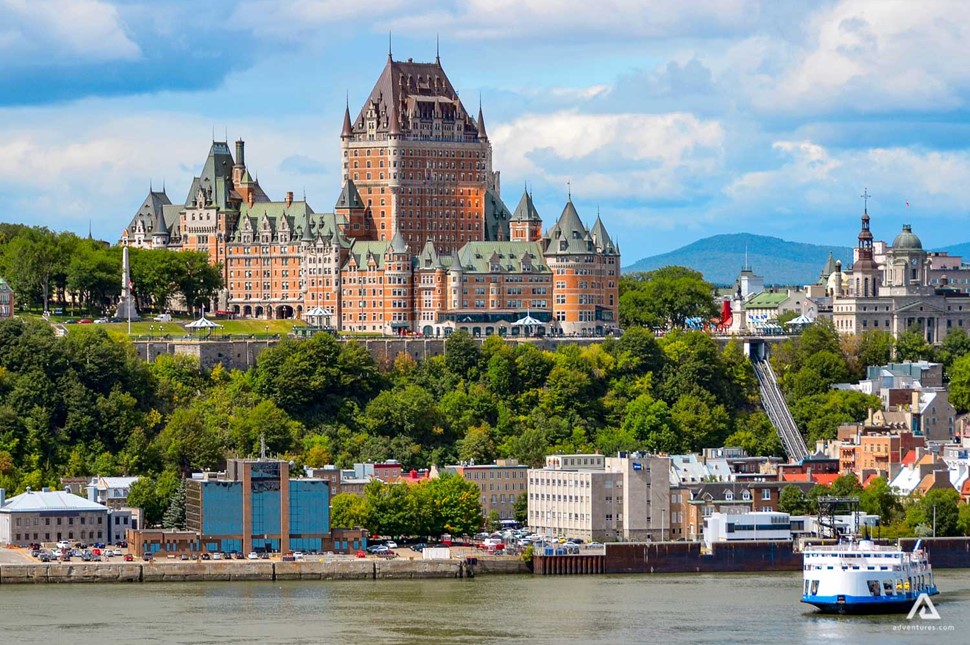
[150,211]
[274,214]
[39,501]
[509,257]
[497,217]
[362,252]
[766,300]
[827,270]
[418,92]
[428,258]
[216,176]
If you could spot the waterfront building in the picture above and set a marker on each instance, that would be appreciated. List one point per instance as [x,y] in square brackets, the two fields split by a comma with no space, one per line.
[896,288]
[499,484]
[593,497]
[732,498]
[50,516]
[419,240]
[746,527]
[255,505]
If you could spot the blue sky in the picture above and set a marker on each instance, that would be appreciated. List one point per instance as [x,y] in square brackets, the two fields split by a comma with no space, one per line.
[676,120]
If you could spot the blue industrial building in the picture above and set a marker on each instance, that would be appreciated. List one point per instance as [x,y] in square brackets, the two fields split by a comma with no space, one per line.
[255,506]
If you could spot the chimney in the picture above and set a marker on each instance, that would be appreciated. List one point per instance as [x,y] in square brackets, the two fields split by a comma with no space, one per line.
[915,404]
[251,198]
[289,198]
[3,497]
[240,152]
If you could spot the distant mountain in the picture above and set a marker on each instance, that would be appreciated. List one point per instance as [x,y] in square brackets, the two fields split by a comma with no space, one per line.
[721,257]
[957,249]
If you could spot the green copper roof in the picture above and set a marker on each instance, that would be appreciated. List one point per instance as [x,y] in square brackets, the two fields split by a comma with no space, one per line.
[766,299]
[502,257]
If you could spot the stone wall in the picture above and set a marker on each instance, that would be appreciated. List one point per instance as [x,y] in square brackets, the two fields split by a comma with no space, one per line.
[193,571]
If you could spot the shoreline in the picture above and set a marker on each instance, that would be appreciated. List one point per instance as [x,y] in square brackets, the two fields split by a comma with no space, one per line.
[270,571]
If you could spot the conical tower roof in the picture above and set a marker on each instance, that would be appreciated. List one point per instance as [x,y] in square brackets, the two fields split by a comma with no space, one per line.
[398,244]
[348,129]
[568,235]
[481,124]
[601,237]
[828,269]
[526,210]
[349,196]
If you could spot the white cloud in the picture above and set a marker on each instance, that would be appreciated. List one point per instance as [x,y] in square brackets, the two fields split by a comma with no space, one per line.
[826,182]
[869,56]
[611,155]
[84,30]
[294,19]
[55,176]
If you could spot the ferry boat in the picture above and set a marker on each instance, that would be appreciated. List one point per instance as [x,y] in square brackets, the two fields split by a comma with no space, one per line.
[860,577]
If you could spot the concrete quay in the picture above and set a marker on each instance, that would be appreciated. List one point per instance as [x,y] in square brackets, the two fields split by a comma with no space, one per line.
[233,571]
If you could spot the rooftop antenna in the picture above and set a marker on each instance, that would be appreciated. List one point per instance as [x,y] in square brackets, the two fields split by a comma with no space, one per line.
[569,190]
[213,134]
[227,133]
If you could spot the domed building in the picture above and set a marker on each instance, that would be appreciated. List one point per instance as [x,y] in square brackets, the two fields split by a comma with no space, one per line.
[898,293]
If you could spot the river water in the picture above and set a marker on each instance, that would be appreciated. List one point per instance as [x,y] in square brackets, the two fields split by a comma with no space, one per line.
[660,609]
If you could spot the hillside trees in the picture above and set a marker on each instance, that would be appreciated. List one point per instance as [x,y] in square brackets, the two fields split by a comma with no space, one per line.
[665,297]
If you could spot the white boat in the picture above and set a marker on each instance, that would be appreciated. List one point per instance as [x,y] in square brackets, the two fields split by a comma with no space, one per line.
[860,577]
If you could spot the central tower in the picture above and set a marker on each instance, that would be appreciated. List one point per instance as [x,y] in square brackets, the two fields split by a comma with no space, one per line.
[421,164]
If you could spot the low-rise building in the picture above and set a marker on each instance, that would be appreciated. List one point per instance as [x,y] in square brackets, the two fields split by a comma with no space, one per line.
[256,506]
[499,484]
[7,300]
[746,527]
[592,497]
[110,491]
[732,498]
[50,516]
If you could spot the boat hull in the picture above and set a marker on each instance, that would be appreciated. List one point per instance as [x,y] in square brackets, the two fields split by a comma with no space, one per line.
[854,605]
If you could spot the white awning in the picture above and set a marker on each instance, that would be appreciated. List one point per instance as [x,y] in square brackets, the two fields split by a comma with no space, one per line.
[528,320]
[202,323]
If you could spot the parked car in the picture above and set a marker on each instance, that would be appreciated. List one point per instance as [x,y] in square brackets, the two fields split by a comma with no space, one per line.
[298,555]
[129,557]
[85,321]
[205,556]
[63,544]
[100,321]
[419,547]
[184,557]
[44,556]
[147,557]
[253,556]
[215,556]
[391,544]
[263,555]
[163,318]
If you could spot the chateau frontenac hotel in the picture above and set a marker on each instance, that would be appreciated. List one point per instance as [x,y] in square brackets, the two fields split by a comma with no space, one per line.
[419,240]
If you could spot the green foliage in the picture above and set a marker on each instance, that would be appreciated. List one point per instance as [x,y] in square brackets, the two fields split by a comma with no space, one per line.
[348,511]
[520,509]
[960,383]
[461,354]
[447,504]
[666,297]
[793,501]
[875,348]
[911,346]
[939,508]
[174,516]
[878,499]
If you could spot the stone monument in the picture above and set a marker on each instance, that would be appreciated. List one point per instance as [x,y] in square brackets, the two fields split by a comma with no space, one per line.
[126,303]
